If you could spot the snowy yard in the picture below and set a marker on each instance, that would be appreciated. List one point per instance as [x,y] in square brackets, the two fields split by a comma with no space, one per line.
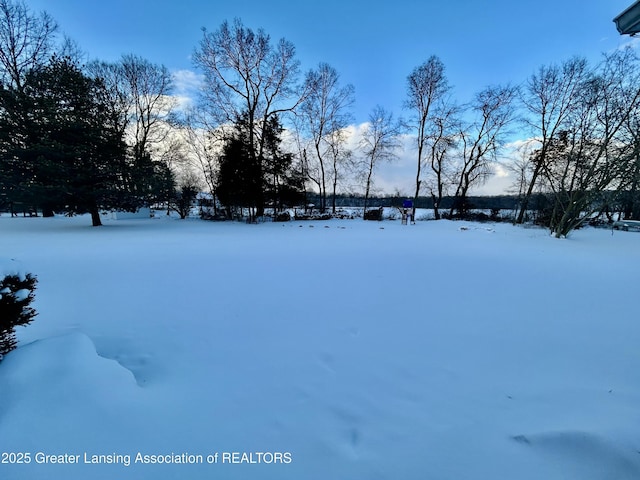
[322,351]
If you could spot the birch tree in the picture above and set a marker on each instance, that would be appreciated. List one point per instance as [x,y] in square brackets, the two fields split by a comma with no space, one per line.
[325,113]
[426,85]
[379,143]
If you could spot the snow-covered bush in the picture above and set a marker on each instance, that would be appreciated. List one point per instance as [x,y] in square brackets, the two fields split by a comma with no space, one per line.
[16,295]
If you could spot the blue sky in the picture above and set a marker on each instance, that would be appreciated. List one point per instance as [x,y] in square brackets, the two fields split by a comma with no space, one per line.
[374,45]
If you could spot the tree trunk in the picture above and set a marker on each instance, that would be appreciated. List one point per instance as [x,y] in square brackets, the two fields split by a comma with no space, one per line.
[527,196]
[333,200]
[366,193]
[95,217]
[436,206]
[47,211]
[415,197]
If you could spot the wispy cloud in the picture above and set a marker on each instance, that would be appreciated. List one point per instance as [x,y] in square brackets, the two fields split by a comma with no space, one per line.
[630,42]
[186,85]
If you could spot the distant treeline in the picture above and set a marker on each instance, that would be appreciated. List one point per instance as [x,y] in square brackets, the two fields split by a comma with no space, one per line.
[480,202]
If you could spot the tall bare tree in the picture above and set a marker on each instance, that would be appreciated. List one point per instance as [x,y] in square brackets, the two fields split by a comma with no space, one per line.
[379,143]
[550,96]
[26,40]
[341,158]
[247,74]
[593,155]
[442,138]
[481,140]
[140,108]
[140,100]
[426,85]
[119,99]
[326,113]
[149,86]
[204,145]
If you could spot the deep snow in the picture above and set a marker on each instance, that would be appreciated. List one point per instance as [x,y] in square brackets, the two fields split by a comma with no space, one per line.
[365,350]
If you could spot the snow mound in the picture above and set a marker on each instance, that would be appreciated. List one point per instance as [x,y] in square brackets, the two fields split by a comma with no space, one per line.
[52,380]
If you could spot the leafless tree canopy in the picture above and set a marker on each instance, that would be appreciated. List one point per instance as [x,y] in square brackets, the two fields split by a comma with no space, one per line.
[379,143]
[246,73]
[247,76]
[584,120]
[442,140]
[324,114]
[139,96]
[594,154]
[494,109]
[26,40]
[426,85]
[549,97]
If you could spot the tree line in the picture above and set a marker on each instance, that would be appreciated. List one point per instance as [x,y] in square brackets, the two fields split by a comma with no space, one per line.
[85,137]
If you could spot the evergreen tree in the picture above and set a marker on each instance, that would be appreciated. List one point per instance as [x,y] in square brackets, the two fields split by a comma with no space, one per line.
[16,295]
[249,180]
[283,184]
[59,151]
[240,177]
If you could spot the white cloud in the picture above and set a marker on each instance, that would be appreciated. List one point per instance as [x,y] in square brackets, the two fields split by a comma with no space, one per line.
[186,85]
[187,80]
[499,171]
[632,42]
[399,175]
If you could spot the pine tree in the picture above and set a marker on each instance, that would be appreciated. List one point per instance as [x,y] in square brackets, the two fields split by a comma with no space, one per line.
[251,181]
[16,295]
[240,176]
[60,151]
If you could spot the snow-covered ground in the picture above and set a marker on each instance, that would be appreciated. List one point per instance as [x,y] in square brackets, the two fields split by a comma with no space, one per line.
[325,350]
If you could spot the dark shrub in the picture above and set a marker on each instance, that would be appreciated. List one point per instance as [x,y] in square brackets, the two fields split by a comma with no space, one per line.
[373,214]
[16,295]
[283,217]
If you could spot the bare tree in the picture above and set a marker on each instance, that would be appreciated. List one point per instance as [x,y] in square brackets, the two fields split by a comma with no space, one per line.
[520,166]
[442,137]
[246,74]
[149,86]
[309,170]
[593,155]
[26,40]
[140,100]
[204,145]
[425,86]
[325,113]
[341,158]
[119,99]
[550,97]
[174,156]
[481,140]
[139,107]
[379,143]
